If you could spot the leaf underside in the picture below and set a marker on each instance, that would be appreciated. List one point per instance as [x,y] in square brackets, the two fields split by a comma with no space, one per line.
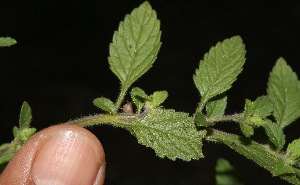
[171,134]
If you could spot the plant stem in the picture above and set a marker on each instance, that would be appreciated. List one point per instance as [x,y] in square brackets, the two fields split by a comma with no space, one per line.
[201,105]
[263,155]
[233,117]
[121,97]
[118,120]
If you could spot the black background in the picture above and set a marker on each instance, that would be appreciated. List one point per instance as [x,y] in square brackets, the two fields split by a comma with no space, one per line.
[60,65]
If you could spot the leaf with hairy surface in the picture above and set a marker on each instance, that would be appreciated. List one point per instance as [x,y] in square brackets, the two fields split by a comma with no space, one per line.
[171,134]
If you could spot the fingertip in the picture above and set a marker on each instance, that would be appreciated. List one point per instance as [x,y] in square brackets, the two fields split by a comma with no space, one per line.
[64,153]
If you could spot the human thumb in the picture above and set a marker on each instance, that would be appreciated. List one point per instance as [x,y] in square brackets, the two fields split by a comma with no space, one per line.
[58,155]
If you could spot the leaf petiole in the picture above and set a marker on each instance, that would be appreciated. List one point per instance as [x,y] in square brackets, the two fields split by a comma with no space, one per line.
[119,120]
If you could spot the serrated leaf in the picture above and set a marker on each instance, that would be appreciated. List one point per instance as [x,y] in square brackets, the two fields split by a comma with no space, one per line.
[135,45]
[275,134]
[171,134]
[139,98]
[7,41]
[225,173]
[25,116]
[158,98]
[293,151]
[246,129]
[284,91]
[105,104]
[220,67]
[216,106]
[261,107]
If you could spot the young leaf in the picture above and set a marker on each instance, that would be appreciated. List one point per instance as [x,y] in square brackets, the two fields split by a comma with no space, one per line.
[135,45]
[105,104]
[171,134]
[219,68]
[225,173]
[216,106]
[26,133]
[7,41]
[158,98]
[25,116]
[261,107]
[293,151]
[246,129]
[284,91]
[139,98]
[275,134]
[200,120]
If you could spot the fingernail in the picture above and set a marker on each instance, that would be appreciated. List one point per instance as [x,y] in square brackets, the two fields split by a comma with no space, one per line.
[65,158]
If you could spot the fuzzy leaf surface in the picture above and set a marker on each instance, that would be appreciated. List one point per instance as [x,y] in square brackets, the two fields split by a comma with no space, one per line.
[220,67]
[171,134]
[105,104]
[7,41]
[284,91]
[135,45]
[25,116]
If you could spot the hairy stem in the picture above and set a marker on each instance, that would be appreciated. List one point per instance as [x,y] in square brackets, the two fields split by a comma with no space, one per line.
[233,117]
[263,155]
[119,120]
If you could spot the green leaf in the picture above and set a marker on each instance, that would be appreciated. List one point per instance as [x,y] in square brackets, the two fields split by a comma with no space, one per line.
[171,134]
[246,129]
[26,133]
[200,120]
[25,116]
[275,134]
[105,104]
[15,131]
[254,121]
[219,68]
[135,45]
[216,106]
[260,154]
[284,91]
[6,158]
[261,107]
[7,152]
[139,98]
[225,173]
[7,41]
[293,151]
[158,98]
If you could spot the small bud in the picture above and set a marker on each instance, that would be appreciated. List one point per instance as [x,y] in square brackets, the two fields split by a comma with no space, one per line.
[127,108]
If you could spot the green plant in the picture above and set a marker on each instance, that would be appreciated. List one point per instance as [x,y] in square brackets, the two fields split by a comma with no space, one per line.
[178,135]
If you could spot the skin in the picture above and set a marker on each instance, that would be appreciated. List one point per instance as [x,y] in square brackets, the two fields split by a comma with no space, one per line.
[61,154]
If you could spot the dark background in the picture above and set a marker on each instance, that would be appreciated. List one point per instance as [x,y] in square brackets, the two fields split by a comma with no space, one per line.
[60,65]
